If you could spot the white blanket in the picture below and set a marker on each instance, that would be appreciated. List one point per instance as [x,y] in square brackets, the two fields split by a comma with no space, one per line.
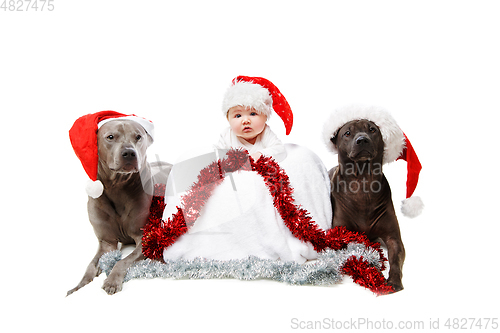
[239,218]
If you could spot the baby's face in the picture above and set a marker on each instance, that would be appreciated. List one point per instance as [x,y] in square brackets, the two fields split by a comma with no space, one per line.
[246,123]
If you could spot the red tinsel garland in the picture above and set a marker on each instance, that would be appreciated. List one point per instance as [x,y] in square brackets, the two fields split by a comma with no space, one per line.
[367,276]
[159,234]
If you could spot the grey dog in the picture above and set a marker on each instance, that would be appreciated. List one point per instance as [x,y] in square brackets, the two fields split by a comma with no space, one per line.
[121,212]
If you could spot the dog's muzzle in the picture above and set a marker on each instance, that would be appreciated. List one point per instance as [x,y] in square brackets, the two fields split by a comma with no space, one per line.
[362,148]
[129,154]
[362,141]
[129,160]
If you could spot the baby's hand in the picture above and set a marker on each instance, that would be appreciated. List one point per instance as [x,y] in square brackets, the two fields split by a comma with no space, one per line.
[256,156]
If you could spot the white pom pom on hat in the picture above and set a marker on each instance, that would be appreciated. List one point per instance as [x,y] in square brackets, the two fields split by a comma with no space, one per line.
[83,137]
[94,188]
[412,206]
[396,146]
[260,94]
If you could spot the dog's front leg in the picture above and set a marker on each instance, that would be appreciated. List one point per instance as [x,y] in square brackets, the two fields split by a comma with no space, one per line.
[93,269]
[114,282]
[396,254]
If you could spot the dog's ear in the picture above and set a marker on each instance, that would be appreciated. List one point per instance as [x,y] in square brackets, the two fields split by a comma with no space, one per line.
[150,139]
[333,139]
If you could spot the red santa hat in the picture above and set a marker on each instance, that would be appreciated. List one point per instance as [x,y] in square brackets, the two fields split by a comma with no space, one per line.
[83,137]
[396,146]
[260,94]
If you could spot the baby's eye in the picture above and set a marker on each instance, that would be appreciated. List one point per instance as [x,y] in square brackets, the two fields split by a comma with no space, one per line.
[237,116]
[253,113]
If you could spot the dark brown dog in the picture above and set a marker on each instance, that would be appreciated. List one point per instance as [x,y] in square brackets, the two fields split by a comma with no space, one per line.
[120,213]
[361,196]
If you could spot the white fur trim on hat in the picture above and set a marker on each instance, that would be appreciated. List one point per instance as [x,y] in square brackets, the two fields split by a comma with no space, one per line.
[394,140]
[146,124]
[248,94]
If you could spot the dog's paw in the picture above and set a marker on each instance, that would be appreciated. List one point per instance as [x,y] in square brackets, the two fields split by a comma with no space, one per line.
[396,285]
[72,291]
[112,286]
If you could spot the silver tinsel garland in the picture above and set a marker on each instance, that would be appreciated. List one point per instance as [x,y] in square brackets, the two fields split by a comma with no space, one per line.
[325,270]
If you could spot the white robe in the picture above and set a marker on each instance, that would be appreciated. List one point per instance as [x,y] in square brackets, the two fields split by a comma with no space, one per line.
[239,218]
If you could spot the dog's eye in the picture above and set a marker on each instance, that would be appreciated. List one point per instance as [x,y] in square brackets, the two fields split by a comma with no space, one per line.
[373,129]
[138,137]
[347,134]
[110,137]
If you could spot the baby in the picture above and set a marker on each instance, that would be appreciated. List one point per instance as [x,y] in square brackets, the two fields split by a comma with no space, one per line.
[247,105]
[240,217]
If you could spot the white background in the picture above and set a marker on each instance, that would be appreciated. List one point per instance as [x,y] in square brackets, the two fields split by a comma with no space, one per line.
[433,64]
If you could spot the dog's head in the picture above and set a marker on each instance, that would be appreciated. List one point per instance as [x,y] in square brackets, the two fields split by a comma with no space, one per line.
[122,146]
[359,141]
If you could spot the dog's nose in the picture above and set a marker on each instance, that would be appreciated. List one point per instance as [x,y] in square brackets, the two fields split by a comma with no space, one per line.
[128,154]
[362,140]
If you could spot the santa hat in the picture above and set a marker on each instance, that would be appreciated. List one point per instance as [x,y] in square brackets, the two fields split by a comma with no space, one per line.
[83,137]
[396,146]
[260,94]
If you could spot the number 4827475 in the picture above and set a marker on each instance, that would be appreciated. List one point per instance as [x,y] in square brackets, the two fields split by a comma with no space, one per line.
[27,5]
